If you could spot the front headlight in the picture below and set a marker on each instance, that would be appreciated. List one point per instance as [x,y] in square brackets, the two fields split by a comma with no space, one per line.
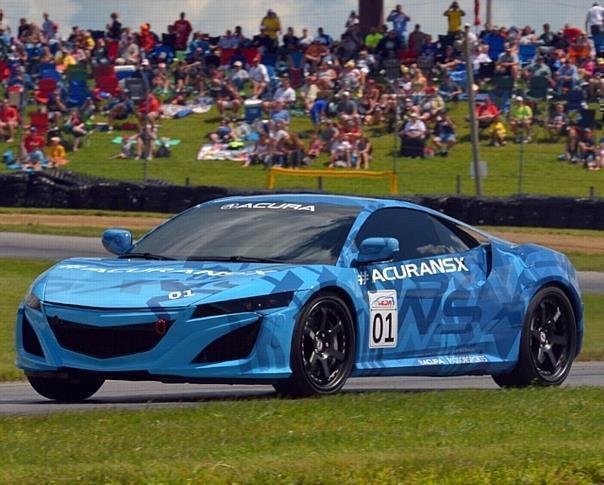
[33,301]
[242,305]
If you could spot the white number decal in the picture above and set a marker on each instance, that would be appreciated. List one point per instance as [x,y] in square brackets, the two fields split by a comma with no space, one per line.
[383,328]
[175,295]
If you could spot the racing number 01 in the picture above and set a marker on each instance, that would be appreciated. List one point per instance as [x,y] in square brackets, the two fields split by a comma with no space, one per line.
[383,331]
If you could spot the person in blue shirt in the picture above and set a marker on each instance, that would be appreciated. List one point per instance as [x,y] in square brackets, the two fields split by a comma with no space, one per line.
[399,21]
[280,113]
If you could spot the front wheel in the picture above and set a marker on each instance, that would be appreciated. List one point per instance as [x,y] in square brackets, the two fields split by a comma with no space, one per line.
[75,387]
[548,342]
[323,347]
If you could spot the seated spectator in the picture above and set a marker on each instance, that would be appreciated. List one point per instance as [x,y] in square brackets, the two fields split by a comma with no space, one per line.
[449,90]
[292,149]
[567,77]
[587,147]
[346,105]
[328,135]
[149,108]
[341,152]
[309,92]
[9,121]
[119,109]
[161,80]
[31,142]
[259,77]
[598,161]
[444,134]
[448,60]
[314,54]
[431,105]
[261,153]
[326,76]
[239,76]
[486,112]
[56,154]
[538,68]
[145,140]
[76,126]
[364,150]
[558,122]
[228,98]
[413,137]
[507,63]
[224,133]
[521,119]
[284,94]
[497,132]
[571,152]
[279,113]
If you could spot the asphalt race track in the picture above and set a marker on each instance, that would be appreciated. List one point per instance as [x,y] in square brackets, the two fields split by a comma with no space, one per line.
[20,398]
[37,246]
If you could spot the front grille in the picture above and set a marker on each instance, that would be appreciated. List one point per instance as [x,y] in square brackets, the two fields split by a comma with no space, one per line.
[237,344]
[106,342]
[31,344]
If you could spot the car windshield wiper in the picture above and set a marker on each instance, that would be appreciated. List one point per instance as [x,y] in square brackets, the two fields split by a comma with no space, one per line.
[235,259]
[158,257]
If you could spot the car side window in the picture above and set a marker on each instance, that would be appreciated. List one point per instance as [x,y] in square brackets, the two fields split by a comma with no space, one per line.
[419,234]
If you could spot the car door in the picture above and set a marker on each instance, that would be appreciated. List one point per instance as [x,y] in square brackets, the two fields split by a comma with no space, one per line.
[423,304]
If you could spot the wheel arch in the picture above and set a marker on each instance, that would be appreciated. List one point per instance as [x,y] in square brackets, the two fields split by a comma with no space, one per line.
[576,304]
[345,296]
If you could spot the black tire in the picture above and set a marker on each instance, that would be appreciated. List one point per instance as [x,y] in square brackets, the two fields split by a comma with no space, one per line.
[74,387]
[548,343]
[323,347]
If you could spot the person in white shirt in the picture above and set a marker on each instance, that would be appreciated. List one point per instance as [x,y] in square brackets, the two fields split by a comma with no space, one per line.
[259,77]
[305,40]
[284,94]
[593,21]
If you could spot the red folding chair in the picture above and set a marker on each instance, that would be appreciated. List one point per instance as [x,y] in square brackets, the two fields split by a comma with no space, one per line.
[249,53]
[107,84]
[225,56]
[45,87]
[104,70]
[39,121]
[407,56]
[112,50]
[295,77]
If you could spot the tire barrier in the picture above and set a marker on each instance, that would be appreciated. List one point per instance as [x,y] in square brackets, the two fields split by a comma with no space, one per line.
[63,189]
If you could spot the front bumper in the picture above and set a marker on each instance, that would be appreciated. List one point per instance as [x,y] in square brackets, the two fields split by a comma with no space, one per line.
[174,357]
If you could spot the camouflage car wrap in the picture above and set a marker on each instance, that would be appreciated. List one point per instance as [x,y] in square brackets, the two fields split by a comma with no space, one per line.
[455,314]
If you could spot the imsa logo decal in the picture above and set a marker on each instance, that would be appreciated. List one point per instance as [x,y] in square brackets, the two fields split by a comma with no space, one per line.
[383,328]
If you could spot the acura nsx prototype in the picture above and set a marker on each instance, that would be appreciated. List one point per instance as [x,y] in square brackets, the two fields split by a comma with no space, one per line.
[301,292]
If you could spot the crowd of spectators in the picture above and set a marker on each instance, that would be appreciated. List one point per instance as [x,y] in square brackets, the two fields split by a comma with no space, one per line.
[352,88]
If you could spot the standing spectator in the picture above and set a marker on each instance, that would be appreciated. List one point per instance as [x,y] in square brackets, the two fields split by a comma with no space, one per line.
[372,39]
[114,27]
[323,38]
[146,39]
[593,21]
[399,21]
[47,26]
[3,24]
[290,40]
[182,28]
[417,39]
[272,25]
[454,15]
[306,39]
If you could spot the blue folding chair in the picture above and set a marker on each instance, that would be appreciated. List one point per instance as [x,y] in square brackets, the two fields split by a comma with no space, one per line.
[527,53]
[269,59]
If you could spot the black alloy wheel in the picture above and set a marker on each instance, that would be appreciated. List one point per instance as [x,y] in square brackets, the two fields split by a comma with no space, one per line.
[548,343]
[322,348]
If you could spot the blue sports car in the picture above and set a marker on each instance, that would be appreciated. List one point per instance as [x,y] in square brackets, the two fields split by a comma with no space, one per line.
[301,292]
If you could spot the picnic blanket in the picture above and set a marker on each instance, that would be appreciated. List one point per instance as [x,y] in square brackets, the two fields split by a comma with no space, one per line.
[171,142]
[221,151]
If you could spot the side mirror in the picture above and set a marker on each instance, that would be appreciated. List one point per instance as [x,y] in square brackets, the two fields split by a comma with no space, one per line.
[117,241]
[376,249]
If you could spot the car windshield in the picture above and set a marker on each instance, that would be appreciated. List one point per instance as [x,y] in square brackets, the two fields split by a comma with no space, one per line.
[255,231]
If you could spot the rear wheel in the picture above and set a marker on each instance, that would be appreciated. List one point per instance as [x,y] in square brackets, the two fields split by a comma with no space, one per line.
[75,387]
[323,346]
[548,343]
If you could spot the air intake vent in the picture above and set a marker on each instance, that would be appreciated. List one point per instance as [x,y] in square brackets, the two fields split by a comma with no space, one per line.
[237,344]
[106,342]
[31,344]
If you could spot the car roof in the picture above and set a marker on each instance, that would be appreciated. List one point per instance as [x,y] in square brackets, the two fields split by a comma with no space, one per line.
[347,200]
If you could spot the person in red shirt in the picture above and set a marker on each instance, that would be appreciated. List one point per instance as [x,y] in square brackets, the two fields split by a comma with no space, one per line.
[486,112]
[146,41]
[32,142]
[9,121]
[182,28]
[149,108]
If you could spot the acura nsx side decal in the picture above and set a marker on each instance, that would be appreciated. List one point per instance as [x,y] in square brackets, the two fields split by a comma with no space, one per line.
[410,270]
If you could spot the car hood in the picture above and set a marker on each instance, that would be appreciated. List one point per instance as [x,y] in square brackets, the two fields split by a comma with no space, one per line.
[123,283]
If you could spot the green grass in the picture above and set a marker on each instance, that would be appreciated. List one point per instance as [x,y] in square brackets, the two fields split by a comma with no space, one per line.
[17,275]
[543,173]
[545,230]
[61,230]
[79,212]
[587,262]
[469,436]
